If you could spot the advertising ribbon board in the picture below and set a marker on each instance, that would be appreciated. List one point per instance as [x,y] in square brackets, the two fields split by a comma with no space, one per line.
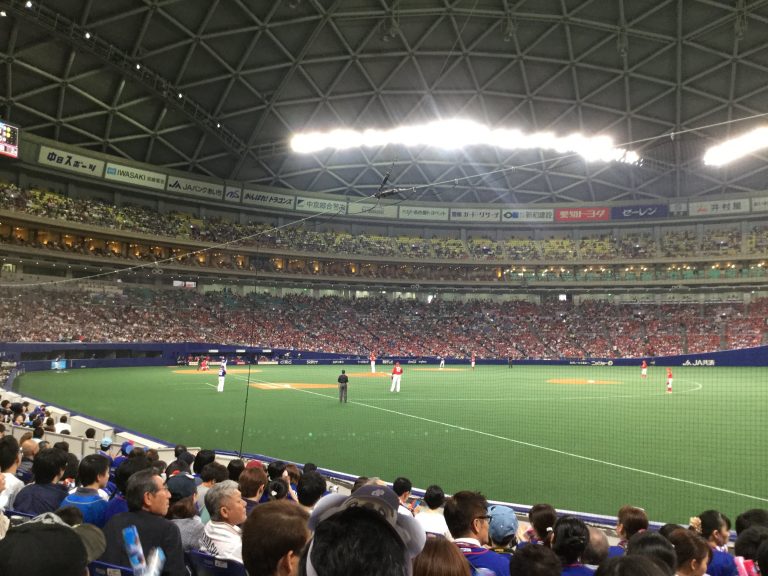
[368,210]
[135,176]
[582,214]
[639,212]
[233,194]
[475,214]
[528,215]
[197,188]
[306,204]
[423,213]
[63,160]
[718,207]
[269,199]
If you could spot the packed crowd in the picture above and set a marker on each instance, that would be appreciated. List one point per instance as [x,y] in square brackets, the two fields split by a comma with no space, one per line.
[402,328]
[672,243]
[283,520]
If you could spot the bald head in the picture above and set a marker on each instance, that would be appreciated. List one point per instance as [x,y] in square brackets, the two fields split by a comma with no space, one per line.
[597,549]
[29,448]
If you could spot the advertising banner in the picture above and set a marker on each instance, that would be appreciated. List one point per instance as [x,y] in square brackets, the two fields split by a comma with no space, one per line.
[269,199]
[306,204]
[678,208]
[197,188]
[582,214]
[68,161]
[135,176]
[528,215]
[639,212]
[233,194]
[760,204]
[718,207]
[368,210]
[423,213]
[475,214]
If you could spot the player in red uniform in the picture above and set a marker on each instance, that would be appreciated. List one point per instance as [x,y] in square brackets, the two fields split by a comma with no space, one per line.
[669,379]
[644,369]
[397,373]
[472,361]
[372,358]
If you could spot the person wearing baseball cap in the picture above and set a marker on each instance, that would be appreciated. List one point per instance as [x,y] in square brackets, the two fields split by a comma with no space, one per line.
[353,533]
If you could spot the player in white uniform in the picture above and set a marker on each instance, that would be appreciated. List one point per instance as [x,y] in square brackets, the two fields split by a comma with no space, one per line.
[222,375]
[397,373]
[442,362]
[373,363]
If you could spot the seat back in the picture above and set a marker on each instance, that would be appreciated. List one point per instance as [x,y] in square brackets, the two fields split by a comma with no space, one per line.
[205,565]
[97,568]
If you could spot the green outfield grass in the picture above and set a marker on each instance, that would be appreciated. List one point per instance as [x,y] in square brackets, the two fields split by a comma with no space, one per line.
[581,438]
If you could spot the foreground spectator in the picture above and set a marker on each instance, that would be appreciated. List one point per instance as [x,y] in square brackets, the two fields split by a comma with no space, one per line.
[183,511]
[440,557]
[9,462]
[570,537]
[502,527]
[310,489]
[361,534]
[466,514]
[222,537]
[92,474]
[430,514]
[656,547]
[629,566]
[692,552]
[534,561]
[46,494]
[713,527]
[630,521]
[597,548]
[274,536]
[252,483]
[148,500]
[118,503]
[751,517]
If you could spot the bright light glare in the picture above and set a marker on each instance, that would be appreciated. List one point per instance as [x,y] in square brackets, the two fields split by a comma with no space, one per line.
[738,147]
[455,134]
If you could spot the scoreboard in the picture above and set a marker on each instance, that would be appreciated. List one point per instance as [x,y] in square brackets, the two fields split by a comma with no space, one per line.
[9,140]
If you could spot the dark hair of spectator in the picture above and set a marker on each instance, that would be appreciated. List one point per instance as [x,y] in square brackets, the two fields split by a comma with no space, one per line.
[443,557]
[542,517]
[9,452]
[203,458]
[656,547]
[70,515]
[434,497]
[633,520]
[356,541]
[534,561]
[62,445]
[275,469]
[462,509]
[277,489]
[597,547]
[271,531]
[310,488]
[90,433]
[630,566]
[711,521]
[251,480]
[293,473]
[70,470]
[401,485]
[751,517]
[762,557]
[361,481]
[38,432]
[91,467]
[127,469]
[152,455]
[667,529]
[140,483]
[750,540]
[178,449]
[214,471]
[48,463]
[181,509]
[689,546]
[310,467]
[176,466]
[570,537]
[235,468]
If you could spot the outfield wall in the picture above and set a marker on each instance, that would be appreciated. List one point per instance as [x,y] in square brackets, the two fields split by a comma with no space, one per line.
[37,356]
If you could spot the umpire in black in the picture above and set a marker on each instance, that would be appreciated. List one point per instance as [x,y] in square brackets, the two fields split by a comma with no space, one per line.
[343,381]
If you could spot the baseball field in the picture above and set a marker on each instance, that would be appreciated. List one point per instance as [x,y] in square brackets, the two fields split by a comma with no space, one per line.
[581,438]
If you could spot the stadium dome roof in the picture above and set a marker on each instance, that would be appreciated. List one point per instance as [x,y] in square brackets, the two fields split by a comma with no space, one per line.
[217,87]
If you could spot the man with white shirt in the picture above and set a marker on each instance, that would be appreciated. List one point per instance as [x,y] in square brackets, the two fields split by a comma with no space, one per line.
[402,487]
[63,425]
[9,462]
[222,537]
[430,514]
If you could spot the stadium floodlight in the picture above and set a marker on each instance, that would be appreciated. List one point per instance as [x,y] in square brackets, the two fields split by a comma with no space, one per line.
[457,133]
[737,148]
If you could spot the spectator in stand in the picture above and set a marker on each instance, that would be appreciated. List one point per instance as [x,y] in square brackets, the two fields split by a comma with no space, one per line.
[430,514]
[502,528]
[212,473]
[222,537]
[631,520]
[148,501]
[713,527]
[252,483]
[118,503]
[749,541]
[692,552]
[751,517]
[597,549]
[656,547]
[311,488]
[361,534]
[534,561]
[542,518]
[274,536]
[569,539]
[466,514]
[46,494]
[440,557]
[92,475]
[202,459]
[402,487]
[630,566]
[182,510]
[235,468]
[63,425]
[9,462]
